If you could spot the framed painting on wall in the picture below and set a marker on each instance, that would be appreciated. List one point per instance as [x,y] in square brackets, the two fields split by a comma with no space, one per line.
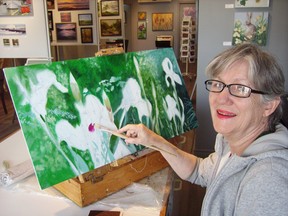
[250,27]
[50,20]
[66,32]
[109,8]
[16,8]
[50,4]
[162,21]
[110,27]
[142,30]
[65,16]
[64,5]
[85,19]
[142,15]
[87,35]
[251,3]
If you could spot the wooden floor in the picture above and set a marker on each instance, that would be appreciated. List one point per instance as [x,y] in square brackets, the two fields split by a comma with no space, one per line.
[185,199]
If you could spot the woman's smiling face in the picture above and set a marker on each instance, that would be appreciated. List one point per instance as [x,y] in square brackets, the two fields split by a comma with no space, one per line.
[233,116]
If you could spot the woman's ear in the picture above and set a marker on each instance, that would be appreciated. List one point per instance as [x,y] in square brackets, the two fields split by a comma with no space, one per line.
[271,106]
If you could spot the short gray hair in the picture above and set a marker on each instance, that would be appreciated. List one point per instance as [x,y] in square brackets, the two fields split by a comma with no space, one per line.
[264,72]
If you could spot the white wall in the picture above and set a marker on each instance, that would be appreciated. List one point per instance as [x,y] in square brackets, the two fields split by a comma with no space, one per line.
[216,26]
[34,44]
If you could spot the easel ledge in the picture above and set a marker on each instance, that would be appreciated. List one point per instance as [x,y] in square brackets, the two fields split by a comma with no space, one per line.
[100,183]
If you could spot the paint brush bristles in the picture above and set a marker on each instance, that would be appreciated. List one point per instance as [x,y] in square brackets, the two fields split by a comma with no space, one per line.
[103,128]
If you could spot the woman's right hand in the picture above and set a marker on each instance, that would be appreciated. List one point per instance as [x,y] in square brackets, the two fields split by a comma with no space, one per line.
[140,134]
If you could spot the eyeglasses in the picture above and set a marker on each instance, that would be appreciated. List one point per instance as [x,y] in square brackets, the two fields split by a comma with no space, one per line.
[237,90]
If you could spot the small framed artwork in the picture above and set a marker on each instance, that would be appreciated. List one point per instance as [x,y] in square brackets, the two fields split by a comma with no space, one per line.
[87,35]
[50,20]
[142,30]
[50,4]
[65,17]
[66,31]
[162,21]
[142,15]
[109,7]
[15,42]
[251,3]
[110,27]
[85,19]
[6,42]
[250,27]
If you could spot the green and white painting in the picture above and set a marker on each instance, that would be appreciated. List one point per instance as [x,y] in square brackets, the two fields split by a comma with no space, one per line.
[58,103]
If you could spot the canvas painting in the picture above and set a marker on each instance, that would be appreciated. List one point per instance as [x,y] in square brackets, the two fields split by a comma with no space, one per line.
[16,8]
[251,3]
[250,27]
[58,105]
[64,5]
[66,31]
[162,21]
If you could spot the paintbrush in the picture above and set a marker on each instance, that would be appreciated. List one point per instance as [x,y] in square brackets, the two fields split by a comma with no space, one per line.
[92,127]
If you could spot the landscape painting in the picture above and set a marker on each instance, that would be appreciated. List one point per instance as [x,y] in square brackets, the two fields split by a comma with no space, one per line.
[66,31]
[60,106]
[68,5]
[12,29]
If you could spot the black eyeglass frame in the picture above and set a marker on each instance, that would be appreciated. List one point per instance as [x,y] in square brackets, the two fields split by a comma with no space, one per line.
[228,86]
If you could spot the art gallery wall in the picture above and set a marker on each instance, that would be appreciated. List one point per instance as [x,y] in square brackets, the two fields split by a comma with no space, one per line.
[149,42]
[74,19]
[217,28]
[35,42]
[63,50]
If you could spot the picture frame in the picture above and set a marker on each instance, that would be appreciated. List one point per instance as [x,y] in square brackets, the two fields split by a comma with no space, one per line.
[50,4]
[162,21]
[142,30]
[142,15]
[50,20]
[251,3]
[64,5]
[12,29]
[85,19]
[65,17]
[66,31]
[250,27]
[86,35]
[16,8]
[109,7]
[110,27]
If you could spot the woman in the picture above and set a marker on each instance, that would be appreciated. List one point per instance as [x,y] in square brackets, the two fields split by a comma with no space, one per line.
[248,172]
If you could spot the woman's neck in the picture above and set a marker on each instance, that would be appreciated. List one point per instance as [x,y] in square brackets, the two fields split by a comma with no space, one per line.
[238,143]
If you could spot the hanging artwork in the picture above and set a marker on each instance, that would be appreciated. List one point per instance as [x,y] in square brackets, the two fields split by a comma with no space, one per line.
[142,30]
[59,106]
[110,27]
[87,35]
[16,8]
[12,29]
[64,5]
[142,16]
[66,31]
[250,27]
[85,19]
[251,3]
[109,7]
[162,21]
[65,16]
